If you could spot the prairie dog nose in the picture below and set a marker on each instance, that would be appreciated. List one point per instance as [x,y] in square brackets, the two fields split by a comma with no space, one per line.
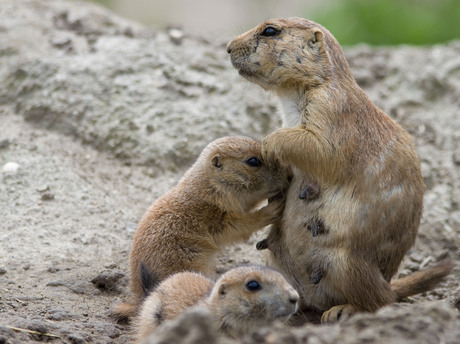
[229,47]
[293,296]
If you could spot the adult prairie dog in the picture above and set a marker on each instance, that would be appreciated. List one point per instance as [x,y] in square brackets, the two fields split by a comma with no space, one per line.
[212,206]
[354,204]
[240,301]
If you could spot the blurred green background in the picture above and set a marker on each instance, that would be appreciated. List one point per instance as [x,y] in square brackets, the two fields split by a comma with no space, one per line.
[390,22]
[375,22]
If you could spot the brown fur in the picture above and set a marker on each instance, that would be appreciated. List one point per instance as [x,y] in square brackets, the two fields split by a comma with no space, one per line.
[236,309]
[354,204]
[172,297]
[421,281]
[212,206]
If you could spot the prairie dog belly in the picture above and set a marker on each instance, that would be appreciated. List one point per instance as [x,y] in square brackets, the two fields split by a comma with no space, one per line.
[313,240]
[333,231]
[303,248]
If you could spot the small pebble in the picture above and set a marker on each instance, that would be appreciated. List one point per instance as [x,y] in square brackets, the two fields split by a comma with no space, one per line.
[11,167]
[2,271]
[53,269]
[56,284]
[43,188]
[456,157]
[47,196]
[37,326]
[110,266]
[4,144]
[76,339]
[176,36]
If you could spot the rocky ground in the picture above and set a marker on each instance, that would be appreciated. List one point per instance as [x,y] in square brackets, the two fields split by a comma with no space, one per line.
[99,116]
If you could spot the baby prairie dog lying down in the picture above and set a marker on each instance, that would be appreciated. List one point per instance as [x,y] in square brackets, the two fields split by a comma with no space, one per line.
[213,205]
[240,301]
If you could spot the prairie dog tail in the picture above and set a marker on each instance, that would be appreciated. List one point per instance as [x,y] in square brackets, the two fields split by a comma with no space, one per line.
[149,280]
[421,281]
[124,311]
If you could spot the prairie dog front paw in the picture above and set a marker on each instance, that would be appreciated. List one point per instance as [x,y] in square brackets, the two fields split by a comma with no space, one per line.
[273,210]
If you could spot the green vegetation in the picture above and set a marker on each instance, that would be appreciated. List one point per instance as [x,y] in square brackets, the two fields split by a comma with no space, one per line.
[390,22]
[106,3]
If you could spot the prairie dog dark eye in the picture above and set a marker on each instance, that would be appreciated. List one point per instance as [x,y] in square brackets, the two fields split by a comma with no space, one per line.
[270,31]
[253,285]
[254,162]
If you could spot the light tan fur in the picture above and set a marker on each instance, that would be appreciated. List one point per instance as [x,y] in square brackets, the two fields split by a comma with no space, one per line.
[172,297]
[212,206]
[236,309]
[354,204]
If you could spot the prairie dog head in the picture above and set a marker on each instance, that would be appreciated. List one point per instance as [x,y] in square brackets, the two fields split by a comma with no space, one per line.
[168,300]
[286,53]
[246,298]
[238,177]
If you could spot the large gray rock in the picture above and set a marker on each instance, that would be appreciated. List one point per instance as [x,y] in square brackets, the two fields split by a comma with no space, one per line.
[195,326]
[429,323]
[146,97]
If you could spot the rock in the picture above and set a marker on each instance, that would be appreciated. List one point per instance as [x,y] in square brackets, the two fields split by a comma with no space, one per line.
[47,196]
[127,94]
[6,333]
[76,339]
[4,144]
[420,323]
[37,326]
[53,269]
[59,314]
[176,35]
[2,271]
[110,329]
[109,280]
[456,157]
[110,266]
[56,284]
[10,167]
[192,327]
[43,188]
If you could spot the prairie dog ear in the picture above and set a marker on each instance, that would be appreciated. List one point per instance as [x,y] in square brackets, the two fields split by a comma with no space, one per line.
[222,289]
[216,161]
[316,39]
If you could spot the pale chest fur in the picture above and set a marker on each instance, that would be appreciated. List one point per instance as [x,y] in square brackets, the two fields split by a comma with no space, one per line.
[291,109]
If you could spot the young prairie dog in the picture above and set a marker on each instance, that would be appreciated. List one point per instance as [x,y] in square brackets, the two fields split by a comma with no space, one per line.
[354,204]
[240,301]
[212,206]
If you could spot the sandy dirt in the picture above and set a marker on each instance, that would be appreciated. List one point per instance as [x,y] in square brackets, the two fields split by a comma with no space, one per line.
[99,116]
